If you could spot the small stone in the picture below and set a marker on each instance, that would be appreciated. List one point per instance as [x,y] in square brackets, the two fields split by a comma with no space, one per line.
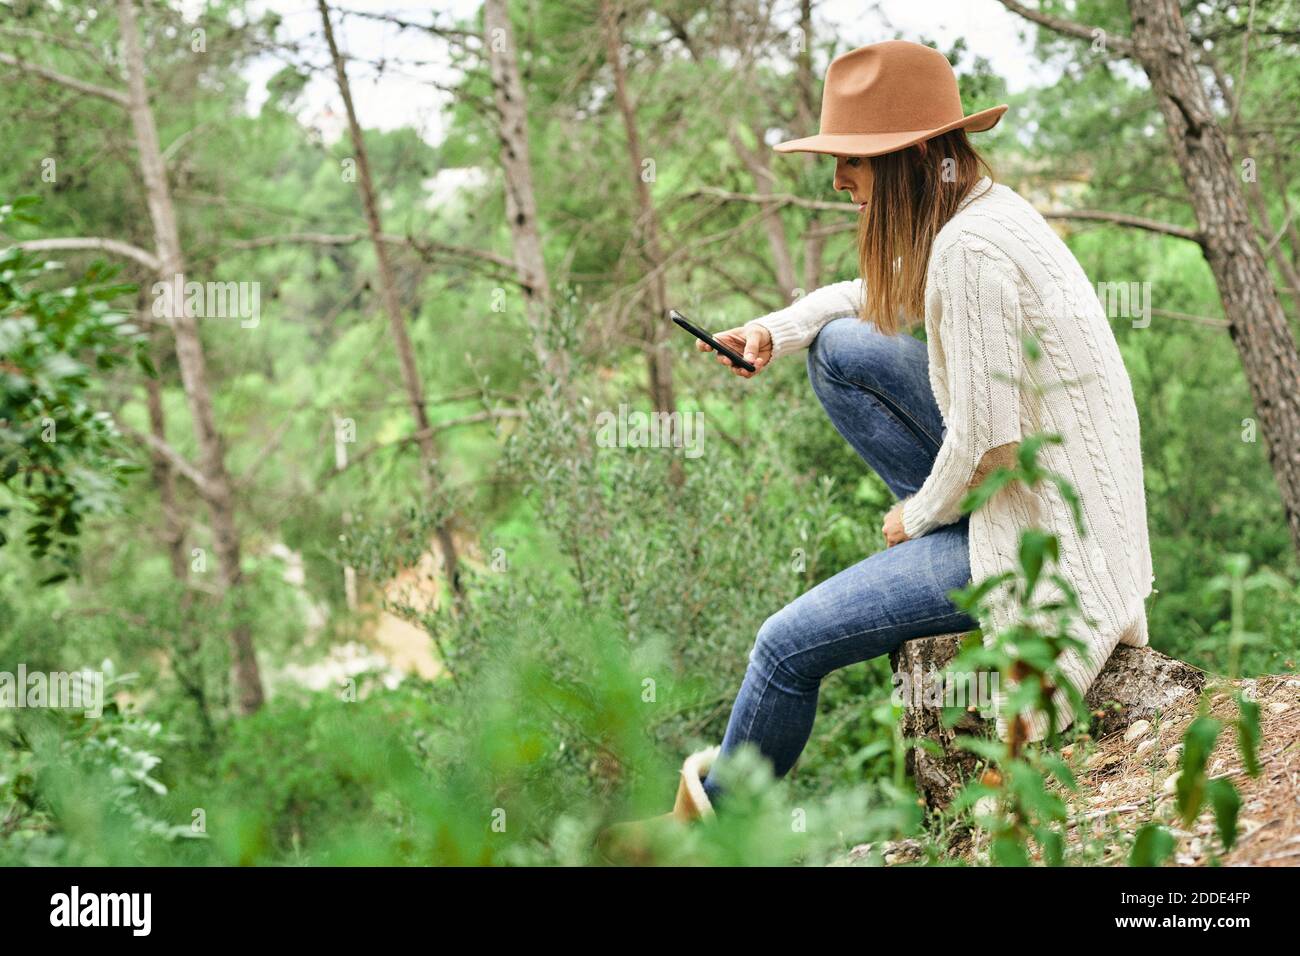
[1279,707]
[1173,754]
[1171,782]
[1143,747]
[1136,730]
[1099,761]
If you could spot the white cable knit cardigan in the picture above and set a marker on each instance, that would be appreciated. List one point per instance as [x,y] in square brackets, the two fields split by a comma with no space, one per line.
[997,272]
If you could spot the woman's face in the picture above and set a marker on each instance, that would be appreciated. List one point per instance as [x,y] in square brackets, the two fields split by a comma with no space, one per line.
[854,174]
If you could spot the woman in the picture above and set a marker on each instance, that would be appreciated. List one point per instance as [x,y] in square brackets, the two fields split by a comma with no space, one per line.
[937,239]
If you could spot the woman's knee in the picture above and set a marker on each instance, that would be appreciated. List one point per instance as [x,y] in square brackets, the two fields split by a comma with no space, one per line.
[779,650]
[841,345]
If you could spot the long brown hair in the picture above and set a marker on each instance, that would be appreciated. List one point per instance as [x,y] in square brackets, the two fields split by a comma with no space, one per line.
[914,193]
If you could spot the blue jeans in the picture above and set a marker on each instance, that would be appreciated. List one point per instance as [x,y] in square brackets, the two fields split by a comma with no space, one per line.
[876,390]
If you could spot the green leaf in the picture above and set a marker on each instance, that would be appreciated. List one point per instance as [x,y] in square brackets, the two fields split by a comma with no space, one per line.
[1198,743]
[1226,803]
[1036,548]
[1153,845]
[1248,734]
[1008,851]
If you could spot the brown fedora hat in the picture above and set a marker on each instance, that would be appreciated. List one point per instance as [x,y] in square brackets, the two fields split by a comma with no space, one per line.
[886,96]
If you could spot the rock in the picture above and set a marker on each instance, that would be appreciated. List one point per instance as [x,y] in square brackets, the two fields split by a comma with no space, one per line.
[1136,730]
[1173,755]
[1136,684]
[1100,761]
[1278,707]
[1145,746]
[890,852]
[1171,782]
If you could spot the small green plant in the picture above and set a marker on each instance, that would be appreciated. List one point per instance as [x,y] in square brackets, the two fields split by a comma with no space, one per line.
[1011,798]
[1195,789]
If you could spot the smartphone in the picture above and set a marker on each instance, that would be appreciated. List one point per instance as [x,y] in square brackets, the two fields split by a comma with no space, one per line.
[713,343]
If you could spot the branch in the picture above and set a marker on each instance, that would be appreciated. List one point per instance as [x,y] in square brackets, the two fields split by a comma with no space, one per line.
[775,199]
[1116,43]
[170,152]
[447,33]
[1124,219]
[347,239]
[29,34]
[471,419]
[1195,319]
[115,246]
[183,466]
[427,249]
[53,76]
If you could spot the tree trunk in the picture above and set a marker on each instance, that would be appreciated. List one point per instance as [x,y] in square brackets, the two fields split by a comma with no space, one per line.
[430,473]
[805,102]
[1135,683]
[1256,321]
[1244,139]
[814,244]
[193,365]
[516,165]
[162,472]
[659,360]
[756,160]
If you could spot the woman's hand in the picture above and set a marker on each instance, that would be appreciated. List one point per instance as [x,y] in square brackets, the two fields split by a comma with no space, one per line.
[752,341]
[894,533]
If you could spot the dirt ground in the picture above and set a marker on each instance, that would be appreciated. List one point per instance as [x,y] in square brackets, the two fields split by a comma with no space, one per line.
[1128,779]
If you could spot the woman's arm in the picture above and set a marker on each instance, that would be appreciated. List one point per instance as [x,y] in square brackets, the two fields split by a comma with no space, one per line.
[979,330]
[795,326]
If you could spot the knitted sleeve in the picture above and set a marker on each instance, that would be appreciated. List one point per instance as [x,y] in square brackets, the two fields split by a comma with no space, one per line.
[795,326]
[978,356]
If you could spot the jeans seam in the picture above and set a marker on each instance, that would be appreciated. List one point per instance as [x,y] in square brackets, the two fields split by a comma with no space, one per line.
[871,630]
[890,404]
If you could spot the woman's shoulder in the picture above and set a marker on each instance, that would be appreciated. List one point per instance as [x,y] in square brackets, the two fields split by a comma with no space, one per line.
[993,221]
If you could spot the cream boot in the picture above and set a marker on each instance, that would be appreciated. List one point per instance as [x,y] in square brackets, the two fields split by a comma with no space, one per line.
[630,842]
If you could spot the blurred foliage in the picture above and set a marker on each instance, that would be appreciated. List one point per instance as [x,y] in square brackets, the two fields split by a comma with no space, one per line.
[61,457]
